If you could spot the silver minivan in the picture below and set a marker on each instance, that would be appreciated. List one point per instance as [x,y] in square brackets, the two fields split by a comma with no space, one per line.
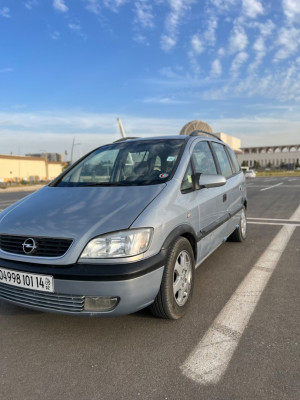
[124,228]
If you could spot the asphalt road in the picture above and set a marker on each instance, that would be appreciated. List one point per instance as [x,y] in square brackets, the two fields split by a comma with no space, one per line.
[47,356]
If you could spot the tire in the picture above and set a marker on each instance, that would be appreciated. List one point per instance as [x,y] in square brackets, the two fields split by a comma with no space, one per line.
[240,233]
[177,282]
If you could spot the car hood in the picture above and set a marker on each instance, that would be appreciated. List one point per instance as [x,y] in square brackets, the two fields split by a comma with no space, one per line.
[78,213]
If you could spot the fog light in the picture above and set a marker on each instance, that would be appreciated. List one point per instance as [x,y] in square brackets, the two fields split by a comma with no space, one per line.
[100,303]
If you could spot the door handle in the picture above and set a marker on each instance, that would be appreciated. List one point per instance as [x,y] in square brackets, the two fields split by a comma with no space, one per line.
[224,197]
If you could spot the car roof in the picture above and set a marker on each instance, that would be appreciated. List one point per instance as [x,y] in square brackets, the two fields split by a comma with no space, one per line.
[173,137]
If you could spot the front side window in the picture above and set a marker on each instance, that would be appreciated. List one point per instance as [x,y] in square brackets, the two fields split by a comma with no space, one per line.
[223,160]
[203,160]
[127,163]
[235,163]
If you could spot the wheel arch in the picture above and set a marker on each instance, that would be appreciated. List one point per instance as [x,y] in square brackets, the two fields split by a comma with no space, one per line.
[185,231]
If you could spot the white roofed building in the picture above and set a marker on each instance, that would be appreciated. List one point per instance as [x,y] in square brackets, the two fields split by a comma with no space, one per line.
[287,156]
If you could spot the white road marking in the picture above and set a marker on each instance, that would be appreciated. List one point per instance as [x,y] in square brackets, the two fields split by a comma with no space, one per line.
[283,186]
[258,186]
[271,179]
[209,360]
[272,223]
[270,187]
[272,219]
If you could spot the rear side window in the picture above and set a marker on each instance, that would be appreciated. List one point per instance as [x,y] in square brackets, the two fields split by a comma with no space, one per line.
[203,160]
[235,164]
[223,160]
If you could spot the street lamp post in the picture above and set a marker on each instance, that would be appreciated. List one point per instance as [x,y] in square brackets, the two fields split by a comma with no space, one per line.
[72,150]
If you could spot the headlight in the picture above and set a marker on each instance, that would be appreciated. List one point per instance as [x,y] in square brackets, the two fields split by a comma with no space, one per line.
[119,244]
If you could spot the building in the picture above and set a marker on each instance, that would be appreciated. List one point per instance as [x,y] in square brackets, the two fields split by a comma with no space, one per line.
[56,157]
[270,156]
[28,169]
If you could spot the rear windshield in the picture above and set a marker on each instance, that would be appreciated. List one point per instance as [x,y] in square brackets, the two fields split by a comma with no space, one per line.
[127,163]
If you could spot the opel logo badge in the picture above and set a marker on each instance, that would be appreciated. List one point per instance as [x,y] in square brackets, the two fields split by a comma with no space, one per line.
[29,246]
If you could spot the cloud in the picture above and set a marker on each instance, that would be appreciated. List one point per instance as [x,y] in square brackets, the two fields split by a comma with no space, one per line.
[76,29]
[216,69]
[30,4]
[175,17]
[143,11]
[140,38]
[223,5]
[259,47]
[288,42]
[59,5]
[221,52]
[209,35]
[5,12]
[114,5]
[291,9]
[197,44]
[266,28]
[167,42]
[143,19]
[201,41]
[280,84]
[248,8]
[237,63]
[165,101]
[55,35]
[176,79]
[252,8]
[238,40]
[93,6]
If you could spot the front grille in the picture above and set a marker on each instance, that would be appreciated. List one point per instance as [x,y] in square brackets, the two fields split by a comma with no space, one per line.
[34,298]
[45,247]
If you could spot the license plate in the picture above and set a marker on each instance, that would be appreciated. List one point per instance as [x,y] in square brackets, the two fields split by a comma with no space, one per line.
[44,283]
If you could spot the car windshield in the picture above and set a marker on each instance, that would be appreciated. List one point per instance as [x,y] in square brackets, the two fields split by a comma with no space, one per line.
[127,163]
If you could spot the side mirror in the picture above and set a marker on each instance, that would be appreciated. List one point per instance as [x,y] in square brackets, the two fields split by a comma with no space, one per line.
[209,181]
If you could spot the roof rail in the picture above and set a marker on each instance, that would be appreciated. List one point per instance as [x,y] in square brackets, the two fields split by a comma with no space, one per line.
[204,133]
[126,138]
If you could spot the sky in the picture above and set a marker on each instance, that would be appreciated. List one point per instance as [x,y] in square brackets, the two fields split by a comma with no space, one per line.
[69,68]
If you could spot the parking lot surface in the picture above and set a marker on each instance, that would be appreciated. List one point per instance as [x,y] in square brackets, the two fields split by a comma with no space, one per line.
[46,356]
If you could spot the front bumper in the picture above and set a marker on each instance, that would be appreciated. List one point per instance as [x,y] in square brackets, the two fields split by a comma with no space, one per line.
[135,284]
